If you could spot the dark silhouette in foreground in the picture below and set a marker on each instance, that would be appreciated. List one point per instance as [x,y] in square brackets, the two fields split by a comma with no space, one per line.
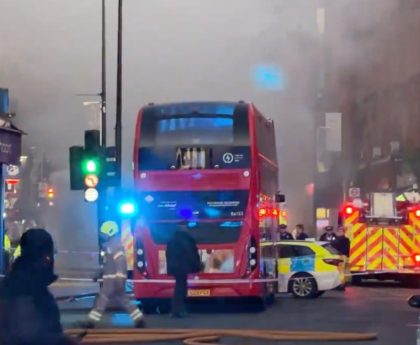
[29,314]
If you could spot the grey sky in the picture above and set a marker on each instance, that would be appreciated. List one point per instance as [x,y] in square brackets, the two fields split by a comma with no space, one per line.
[174,50]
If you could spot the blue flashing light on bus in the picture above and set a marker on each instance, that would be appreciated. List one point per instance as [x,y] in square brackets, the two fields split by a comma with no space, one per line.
[212,212]
[192,224]
[186,213]
[128,208]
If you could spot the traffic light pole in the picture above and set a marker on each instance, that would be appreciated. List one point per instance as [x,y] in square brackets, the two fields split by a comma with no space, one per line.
[118,124]
[101,203]
[103,92]
[2,224]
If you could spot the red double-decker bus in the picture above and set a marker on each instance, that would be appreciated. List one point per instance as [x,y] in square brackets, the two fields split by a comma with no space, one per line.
[214,164]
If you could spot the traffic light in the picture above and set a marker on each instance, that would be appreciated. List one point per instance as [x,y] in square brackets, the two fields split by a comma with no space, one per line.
[92,165]
[50,193]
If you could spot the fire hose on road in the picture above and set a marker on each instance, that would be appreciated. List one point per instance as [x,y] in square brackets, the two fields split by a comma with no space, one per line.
[208,336]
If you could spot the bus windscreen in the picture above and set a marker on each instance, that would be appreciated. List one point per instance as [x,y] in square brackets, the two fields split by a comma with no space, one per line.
[195,204]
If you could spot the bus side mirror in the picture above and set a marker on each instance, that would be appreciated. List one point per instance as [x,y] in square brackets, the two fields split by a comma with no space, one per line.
[280,198]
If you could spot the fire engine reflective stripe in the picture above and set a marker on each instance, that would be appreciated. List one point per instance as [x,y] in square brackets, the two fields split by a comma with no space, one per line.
[374,248]
[127,240]
[415,221]
[120,275]
[406,246]
[352,219]
[118,254]
[357,260]
[390,248]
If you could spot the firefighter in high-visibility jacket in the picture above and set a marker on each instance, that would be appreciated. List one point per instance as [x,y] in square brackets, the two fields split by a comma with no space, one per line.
[114,274]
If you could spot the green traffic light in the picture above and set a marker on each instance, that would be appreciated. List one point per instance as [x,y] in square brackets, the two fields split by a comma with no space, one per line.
[90,166]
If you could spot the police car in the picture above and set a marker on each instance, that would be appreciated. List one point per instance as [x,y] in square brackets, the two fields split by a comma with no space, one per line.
[304,268]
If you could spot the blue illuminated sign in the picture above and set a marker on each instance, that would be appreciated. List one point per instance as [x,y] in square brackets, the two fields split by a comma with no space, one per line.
[269,77]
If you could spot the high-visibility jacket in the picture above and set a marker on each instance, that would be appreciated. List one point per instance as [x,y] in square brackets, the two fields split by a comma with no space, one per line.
[16,253]
[7,244]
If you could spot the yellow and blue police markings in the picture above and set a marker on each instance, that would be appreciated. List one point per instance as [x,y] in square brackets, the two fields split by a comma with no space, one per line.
[326,275]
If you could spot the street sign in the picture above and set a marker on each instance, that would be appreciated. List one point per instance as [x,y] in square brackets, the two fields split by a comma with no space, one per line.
[354,192]
[12,170]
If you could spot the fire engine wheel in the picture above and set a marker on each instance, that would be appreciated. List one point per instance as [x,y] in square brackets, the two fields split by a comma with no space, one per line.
[303,285]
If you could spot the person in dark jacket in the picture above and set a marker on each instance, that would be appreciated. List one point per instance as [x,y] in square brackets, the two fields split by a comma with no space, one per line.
[328,235]
[300,232]
[29,314]
[341,242]
[182,258]
[283,233]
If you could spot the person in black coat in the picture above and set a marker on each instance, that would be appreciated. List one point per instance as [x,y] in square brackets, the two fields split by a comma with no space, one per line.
[300,232]
[29,314]
[341,242]
[283,233]
[182,258]
[328,235]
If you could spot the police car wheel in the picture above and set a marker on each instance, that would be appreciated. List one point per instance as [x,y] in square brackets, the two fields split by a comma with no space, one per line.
[303,285]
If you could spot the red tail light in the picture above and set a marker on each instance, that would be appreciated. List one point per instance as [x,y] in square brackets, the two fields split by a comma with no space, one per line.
[416,258]
[334,262]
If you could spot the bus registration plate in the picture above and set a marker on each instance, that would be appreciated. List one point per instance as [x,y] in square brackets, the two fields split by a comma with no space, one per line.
[198,292]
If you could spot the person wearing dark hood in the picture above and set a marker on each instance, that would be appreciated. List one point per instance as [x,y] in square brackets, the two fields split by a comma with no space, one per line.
[328,235]
[29,314]
[182,258]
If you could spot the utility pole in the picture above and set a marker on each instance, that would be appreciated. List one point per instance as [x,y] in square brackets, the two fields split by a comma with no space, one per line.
[103,92]
[118,124]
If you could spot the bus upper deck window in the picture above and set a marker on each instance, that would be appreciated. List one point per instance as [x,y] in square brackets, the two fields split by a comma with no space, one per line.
[191,158]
